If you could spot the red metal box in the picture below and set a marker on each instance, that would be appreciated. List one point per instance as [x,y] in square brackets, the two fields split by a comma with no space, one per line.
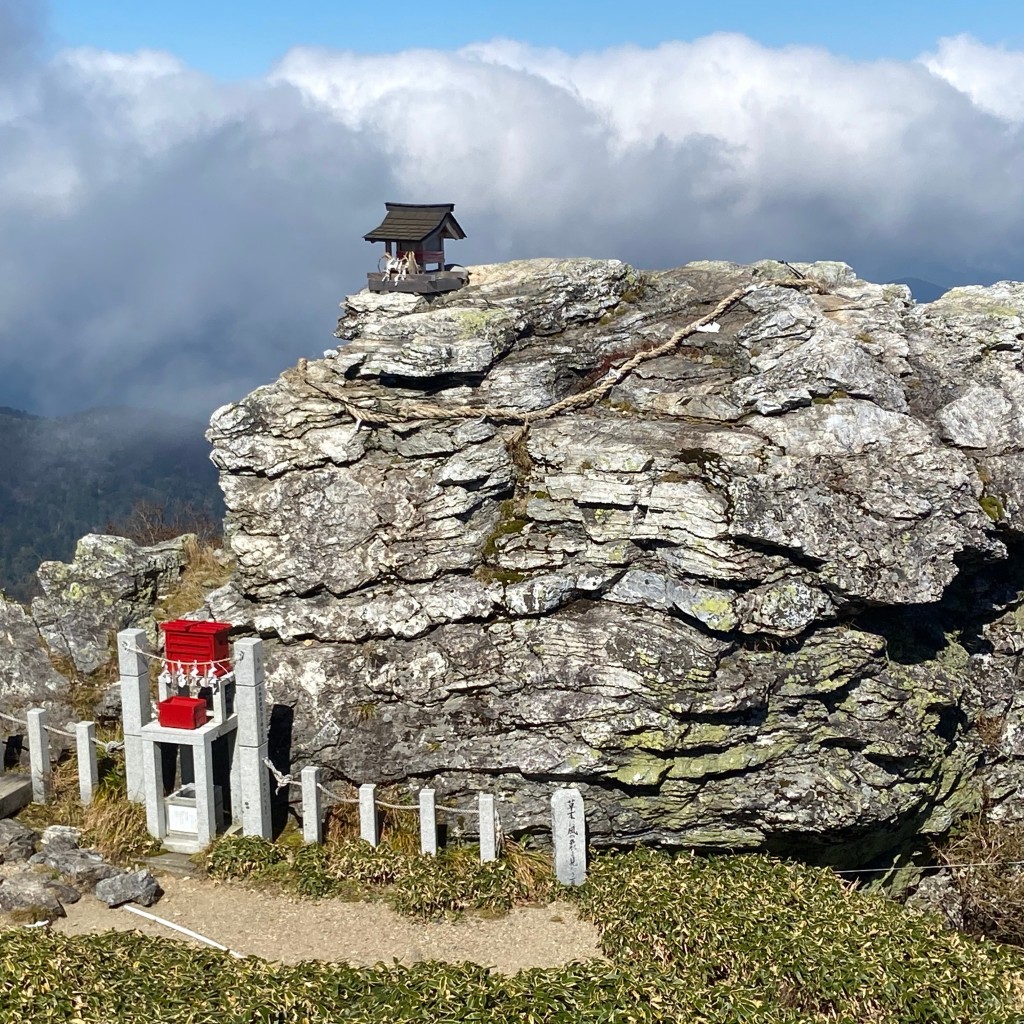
[181,713]
[199,644]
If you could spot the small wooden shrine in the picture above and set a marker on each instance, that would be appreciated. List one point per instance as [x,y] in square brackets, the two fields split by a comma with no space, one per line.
[414,261]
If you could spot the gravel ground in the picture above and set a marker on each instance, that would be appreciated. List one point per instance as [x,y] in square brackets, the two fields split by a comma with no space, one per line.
[279,928]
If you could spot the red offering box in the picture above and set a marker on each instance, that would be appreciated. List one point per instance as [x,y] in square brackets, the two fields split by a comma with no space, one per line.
[181,713]
[201,644]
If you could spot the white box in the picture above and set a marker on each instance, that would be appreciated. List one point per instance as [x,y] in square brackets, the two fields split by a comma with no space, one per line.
[181,809]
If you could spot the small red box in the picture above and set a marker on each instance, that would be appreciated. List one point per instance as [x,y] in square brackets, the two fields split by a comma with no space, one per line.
[181,712]
[199,644]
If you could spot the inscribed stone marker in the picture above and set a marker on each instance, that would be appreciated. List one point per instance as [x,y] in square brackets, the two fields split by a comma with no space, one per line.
[368,824]
[428,823]
[569,836]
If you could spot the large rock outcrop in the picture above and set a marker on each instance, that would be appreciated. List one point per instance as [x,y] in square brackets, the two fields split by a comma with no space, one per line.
[27,676]
[763,592]
[111,584]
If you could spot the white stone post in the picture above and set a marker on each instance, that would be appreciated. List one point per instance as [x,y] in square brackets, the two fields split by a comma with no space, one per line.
[488,828]
[368,814]
[220,702]
[152,774]
[206,803]
[136,706]
[569,836]
[312,808]
[88,772]
[39,755]
[251,739]
[428,823]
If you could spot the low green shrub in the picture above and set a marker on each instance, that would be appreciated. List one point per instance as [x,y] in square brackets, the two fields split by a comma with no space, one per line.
[740,940]
[241,857]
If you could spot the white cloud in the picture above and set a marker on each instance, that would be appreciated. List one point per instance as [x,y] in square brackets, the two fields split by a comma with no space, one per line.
[991,77]
[165,237]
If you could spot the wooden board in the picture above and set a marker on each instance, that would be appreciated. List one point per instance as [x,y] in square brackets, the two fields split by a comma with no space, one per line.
[433,283]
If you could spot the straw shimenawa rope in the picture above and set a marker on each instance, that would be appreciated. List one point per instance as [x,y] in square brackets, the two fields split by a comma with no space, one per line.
[412,410]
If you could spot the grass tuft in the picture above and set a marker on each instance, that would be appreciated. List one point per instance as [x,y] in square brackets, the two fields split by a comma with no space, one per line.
[111,823]
[204,571]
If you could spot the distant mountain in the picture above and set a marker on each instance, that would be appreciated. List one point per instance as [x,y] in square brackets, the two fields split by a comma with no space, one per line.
[923,291]
[62,478]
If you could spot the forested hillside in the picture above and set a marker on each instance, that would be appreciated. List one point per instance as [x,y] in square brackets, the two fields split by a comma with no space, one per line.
[65,477]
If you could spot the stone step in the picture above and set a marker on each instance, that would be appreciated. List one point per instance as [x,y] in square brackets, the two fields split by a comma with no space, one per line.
[15,793]
[171,863]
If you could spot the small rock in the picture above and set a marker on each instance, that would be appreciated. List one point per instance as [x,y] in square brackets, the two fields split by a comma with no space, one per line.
[83,867]
[17,843]
[61,837]
[29,890]
[137,887]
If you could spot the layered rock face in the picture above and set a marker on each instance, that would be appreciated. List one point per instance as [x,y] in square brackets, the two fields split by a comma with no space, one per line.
[765,591]
[111,584]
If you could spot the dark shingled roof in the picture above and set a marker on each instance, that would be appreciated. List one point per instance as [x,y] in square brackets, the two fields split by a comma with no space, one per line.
[409,222]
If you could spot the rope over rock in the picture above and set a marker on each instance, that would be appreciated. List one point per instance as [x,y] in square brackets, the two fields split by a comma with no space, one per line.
[411,411]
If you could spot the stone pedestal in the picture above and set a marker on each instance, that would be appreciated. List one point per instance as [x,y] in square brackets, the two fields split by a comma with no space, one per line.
[199,743]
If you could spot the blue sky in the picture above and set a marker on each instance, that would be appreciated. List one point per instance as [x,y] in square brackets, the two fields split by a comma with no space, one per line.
[184,186]
[232,38]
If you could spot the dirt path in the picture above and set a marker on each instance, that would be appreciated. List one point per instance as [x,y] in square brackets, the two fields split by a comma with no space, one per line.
[280,928]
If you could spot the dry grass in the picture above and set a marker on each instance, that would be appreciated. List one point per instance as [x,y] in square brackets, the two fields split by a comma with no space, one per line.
[111,823]
[203,572]
[85,691]
[993,890]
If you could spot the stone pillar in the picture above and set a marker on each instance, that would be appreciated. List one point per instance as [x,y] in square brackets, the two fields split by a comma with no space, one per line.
[39,755]
[206,807]
[488,828]
[368,814]
[253,798]
[152,778]
[88,771]
[136,705]
[312,806]
[428,823]
[569,836]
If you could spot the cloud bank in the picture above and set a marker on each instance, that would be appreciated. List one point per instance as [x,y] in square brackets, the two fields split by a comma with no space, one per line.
[166,238]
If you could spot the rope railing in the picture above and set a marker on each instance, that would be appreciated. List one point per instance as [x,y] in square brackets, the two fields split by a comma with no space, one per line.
[289,781]
[286,780]
[108,746]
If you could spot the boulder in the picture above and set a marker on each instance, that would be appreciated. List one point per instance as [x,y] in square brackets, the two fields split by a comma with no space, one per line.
[137,887]
[55,837]
[30,890]
[27,676]
[82,868]
[761,591]
[17,843]
[111,584]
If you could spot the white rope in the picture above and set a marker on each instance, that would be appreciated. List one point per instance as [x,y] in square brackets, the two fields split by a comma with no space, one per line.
[164,660]
[336,797]
[398,807]
[458,810]
[283,781]
[181,928]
